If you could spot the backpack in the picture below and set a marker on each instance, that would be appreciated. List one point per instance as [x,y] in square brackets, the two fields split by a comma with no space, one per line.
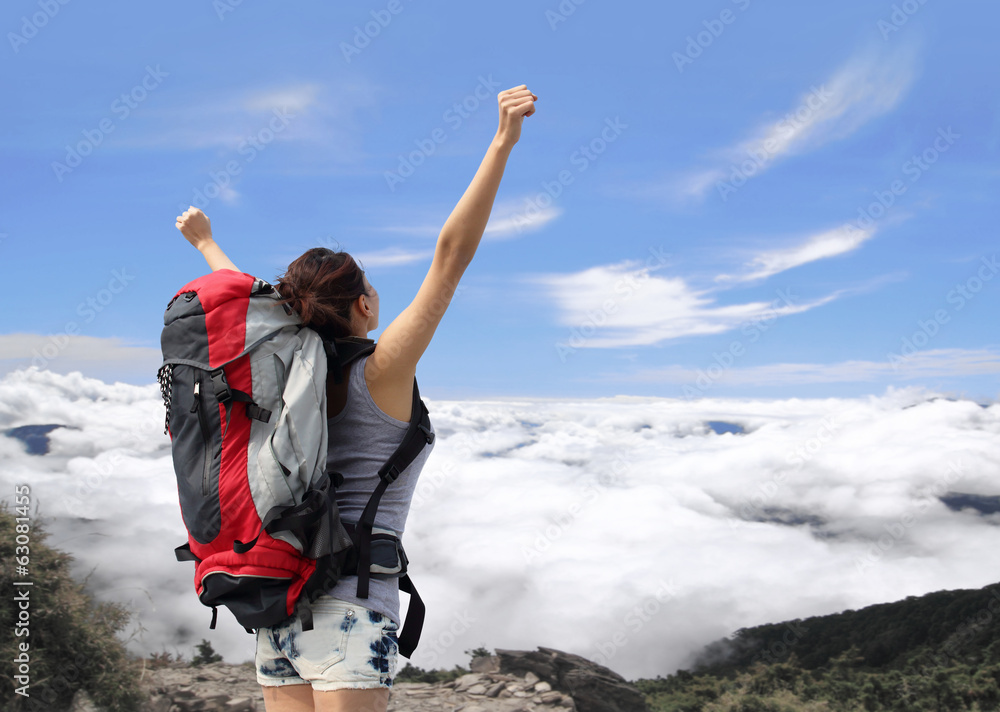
[244,385]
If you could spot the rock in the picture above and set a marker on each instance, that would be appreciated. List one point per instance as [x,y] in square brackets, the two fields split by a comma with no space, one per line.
[526,680]
[485,663]
[82,702]
[592,687]
[241,704]
[466,681]
[159,703]
[495,690]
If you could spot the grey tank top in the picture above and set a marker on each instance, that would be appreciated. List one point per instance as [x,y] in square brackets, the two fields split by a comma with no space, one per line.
[362,437]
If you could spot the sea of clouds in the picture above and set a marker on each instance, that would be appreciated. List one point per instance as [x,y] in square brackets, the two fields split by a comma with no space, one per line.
[626,530]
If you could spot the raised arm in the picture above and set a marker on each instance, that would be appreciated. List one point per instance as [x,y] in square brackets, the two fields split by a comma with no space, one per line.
[393,364]
[197,228]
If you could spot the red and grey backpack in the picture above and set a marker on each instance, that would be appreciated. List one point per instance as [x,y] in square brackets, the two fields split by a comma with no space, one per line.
[244,385]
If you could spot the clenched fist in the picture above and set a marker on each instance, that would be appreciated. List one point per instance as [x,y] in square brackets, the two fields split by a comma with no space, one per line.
[195,226]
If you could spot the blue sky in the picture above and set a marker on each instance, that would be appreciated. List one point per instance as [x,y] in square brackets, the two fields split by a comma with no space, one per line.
[727,198]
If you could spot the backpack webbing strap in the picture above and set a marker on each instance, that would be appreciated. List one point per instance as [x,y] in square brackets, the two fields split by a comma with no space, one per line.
[298,519]
[417,436]
[414,623]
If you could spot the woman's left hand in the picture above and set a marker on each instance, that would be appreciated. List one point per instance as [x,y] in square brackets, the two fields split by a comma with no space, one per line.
[195,226]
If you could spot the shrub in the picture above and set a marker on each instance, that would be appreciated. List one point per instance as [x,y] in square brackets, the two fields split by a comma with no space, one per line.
[70,641]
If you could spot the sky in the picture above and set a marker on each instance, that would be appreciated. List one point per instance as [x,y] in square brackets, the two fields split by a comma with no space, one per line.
[713,199]
[626,530]
[780,215]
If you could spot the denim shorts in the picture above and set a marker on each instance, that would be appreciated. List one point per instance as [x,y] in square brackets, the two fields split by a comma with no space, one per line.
[349,647]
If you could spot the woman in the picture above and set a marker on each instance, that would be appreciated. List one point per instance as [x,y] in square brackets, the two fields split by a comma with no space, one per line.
[347,662]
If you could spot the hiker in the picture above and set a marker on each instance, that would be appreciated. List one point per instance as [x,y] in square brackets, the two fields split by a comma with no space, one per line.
[349,659]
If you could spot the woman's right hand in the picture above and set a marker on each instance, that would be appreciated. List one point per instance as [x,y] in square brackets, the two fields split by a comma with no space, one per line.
[515,105]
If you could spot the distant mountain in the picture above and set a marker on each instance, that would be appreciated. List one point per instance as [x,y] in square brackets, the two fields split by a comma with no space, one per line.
[35,437]
[939,652]
[943,626]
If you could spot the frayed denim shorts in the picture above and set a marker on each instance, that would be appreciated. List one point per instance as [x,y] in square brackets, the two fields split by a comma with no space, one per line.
[349,647]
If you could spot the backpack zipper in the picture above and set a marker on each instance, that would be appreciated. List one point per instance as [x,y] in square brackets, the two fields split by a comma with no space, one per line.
[207,466]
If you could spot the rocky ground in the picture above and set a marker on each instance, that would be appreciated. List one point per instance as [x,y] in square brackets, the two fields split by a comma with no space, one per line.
[511,681]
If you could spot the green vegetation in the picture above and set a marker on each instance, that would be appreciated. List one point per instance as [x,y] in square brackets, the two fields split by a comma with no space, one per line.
[937,652]
[206,654]
[410,673]
[71,640]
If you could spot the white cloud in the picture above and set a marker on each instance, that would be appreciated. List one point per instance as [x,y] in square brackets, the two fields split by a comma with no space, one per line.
[867,86]
[594,507]
[625,304]
[932,363]
[508,219]
[392,257]
[831,243]
[108,358]
[294,98]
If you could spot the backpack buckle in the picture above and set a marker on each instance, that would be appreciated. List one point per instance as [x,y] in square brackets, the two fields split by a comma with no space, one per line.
[223,393]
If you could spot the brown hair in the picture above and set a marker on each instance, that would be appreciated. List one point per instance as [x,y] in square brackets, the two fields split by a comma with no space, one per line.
[321,286]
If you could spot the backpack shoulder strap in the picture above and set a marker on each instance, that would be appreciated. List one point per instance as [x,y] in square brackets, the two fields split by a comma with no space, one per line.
[342,351]
[417,436]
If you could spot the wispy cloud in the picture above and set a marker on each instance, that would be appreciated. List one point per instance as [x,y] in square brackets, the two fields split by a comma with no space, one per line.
[508,219]
[303,112]
[937,363]
[392,257]
[869,85]
[831,243]
[516,218]
[631,306]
